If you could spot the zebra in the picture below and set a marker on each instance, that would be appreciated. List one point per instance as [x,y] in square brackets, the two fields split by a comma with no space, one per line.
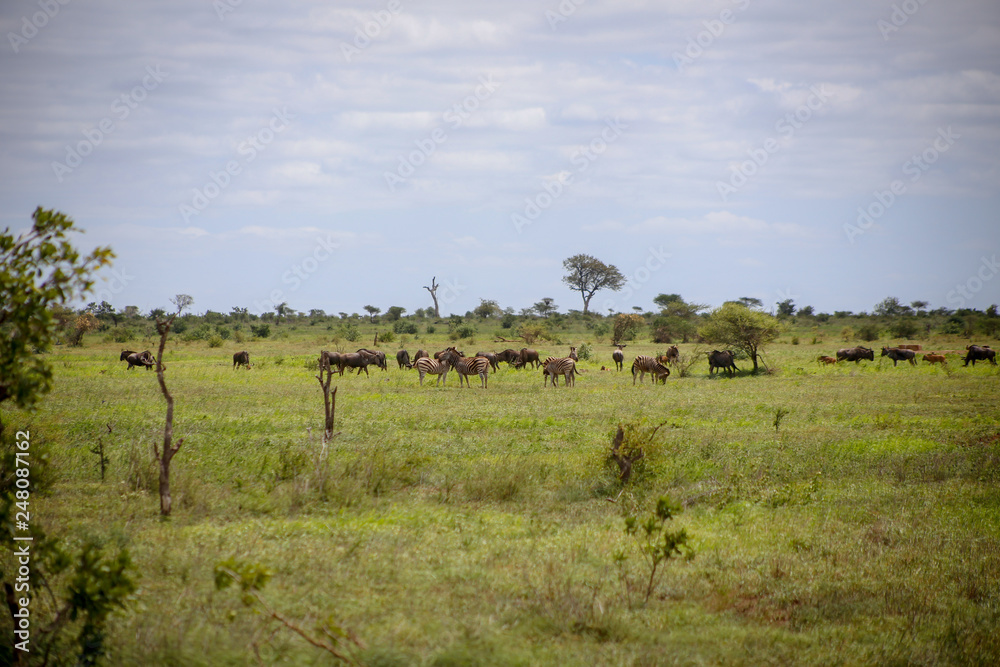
[573,355]
[555,367]
[619,358]
[425,365]
[645,364]
[466,366]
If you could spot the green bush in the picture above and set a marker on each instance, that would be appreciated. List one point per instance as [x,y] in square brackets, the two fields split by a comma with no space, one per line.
[386,336]
[404,327]
[260,330]
[351,332]
[215,341]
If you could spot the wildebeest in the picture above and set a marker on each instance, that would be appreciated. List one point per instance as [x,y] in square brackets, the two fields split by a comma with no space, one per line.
[510,356]
[421,354]
[670,356]
[125,354]
[976,353]
[619,358]
[139,359]
[935,359]
[376,357]
[331,359]
[449,350]
[855,354]
[643,364]
[490,357]
[529,356]
[241,359]
[827,360]
[722,359]
[403,359]
[897,355]
[355,360]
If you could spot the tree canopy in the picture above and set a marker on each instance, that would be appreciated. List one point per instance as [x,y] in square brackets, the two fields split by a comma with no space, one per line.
[38,271]
[735,325]
[588,275]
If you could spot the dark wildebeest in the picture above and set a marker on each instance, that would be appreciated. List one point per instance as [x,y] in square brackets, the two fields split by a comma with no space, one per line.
[490,357]
[529,356]
[355,360]
[377,357]
[448,350]
[976,353]
[125,354]
[403,359]
[723,360]
[670,356]
[140,359]
[509,355]
[855,354]
[421,354]
[897,355]
[241,359]
[619,358]
[332,359]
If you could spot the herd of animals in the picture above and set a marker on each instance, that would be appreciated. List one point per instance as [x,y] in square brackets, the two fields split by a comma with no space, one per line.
[552,367]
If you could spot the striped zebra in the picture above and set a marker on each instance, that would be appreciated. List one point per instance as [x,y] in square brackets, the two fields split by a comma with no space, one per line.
[554,366]
[425,365]
[573,355]
[466,366]
[645,364]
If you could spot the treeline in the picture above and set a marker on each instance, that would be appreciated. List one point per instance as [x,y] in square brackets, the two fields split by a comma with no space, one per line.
[674,320]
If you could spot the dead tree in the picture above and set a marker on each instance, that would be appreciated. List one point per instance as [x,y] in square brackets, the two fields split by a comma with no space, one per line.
[433,290]
[624,461]
[169,448]
[329,398]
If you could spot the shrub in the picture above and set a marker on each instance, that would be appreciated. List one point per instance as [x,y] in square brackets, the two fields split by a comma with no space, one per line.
[795,340]
[430,329]
[223,332]
[260,330]
[584,351]
[404,327]
[386,336]
[215,341]
[351,332]
[868,332]
[508,321]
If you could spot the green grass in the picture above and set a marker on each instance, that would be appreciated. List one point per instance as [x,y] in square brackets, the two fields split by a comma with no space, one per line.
[467,526]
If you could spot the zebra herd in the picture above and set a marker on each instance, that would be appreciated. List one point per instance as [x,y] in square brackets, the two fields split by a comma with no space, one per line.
[451,359]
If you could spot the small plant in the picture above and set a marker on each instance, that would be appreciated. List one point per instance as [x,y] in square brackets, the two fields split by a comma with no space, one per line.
[795,340]
[655,544]
[260,330]
[585,351]
[351,332]
[779,414]
[387,336]
[215,341]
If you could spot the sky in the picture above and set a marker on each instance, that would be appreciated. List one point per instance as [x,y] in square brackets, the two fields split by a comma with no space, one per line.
[336,155]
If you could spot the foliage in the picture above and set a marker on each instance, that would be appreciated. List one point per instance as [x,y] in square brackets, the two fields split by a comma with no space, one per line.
[584,351]
[627,327]
[394,313]
[655,544]
[532,332]
[587,275]
[260,330]
[82,325]
[508,321]
[38,270]
[351,333]
[904,327]
[735,325]
[386,336]
[215,341]
[890,307]
[404,327]
[786,308]
[487,308]
[868,332]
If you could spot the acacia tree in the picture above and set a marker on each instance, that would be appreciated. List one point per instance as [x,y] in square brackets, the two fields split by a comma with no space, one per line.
[735,325]
[373,311]
[588,275]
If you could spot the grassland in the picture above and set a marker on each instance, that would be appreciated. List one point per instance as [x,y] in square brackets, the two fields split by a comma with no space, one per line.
[465,526]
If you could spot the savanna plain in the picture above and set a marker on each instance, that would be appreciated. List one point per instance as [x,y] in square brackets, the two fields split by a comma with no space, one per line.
[841,514]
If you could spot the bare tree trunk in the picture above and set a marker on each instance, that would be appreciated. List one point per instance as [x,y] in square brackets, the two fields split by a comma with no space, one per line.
[169,449]
[329,399]
[433,290]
